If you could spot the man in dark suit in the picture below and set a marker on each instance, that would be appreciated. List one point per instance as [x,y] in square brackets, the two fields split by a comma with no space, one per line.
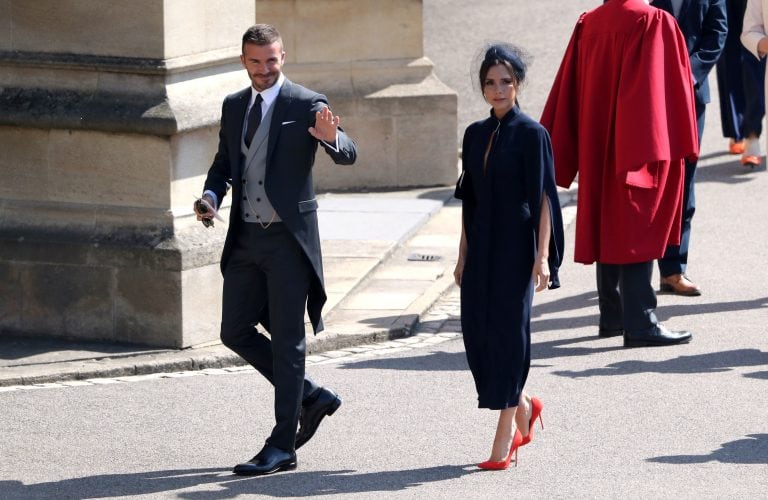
[704,26]
[271,261]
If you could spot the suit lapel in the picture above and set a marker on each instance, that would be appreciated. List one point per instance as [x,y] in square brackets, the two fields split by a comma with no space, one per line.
[235,126]
[281,105]
[239,106]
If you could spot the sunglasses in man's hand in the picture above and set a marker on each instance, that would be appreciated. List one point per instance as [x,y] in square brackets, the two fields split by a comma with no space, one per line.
[203,207]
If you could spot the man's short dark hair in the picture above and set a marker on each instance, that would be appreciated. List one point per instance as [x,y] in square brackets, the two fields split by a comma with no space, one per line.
[261,34]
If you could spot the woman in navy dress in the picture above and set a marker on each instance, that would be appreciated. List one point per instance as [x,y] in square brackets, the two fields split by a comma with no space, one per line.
[511,244]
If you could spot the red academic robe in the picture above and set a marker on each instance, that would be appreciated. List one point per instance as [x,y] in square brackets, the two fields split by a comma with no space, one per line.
[621,114]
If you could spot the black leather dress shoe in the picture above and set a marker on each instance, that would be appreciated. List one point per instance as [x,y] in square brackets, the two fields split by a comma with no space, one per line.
[610,332]
[326,402]
[268,461]
[656,336]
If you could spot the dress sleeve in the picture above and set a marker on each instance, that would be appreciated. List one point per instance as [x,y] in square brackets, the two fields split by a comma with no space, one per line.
[462,186]
[540,180]
[463,189]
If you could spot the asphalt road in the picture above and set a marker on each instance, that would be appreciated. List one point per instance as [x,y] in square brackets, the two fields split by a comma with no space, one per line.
[684,422]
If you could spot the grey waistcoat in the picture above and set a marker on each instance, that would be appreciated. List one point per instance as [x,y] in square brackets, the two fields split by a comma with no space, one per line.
[255,206]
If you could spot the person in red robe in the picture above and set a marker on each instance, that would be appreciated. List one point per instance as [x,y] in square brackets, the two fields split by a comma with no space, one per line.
[621,116]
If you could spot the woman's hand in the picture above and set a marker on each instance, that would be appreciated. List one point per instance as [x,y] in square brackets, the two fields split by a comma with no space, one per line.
[458,271]
[762,46]
[540,274]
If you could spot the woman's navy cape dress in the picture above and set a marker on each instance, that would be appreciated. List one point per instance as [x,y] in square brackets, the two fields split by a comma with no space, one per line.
[501,205]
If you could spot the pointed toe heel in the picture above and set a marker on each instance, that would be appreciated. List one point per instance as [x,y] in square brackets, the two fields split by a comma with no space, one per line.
[504,464]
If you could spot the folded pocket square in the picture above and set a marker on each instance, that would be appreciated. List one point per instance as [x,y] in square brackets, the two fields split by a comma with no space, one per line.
[288,123]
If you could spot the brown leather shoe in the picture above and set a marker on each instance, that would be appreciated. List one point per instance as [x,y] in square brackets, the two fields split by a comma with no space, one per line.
[679,284]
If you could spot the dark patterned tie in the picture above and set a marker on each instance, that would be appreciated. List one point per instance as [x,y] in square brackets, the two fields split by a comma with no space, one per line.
[254,119]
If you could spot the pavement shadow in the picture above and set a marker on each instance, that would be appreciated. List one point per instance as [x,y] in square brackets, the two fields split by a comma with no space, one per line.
[664,312]
[668,311]
[457,361]
[727,172]
[293,484]
[567,303]
[576,346]
[567,323]
[20,349]
[436,361]
[714,362]
[440,194]
[324,483]
[114,485]
[750,451]
[757,375]
[715,154]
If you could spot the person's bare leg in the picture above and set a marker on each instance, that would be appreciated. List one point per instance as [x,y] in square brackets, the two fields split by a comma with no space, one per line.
[523,415]
[503,440]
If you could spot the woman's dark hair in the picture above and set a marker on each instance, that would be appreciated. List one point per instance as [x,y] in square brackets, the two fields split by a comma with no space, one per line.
[513,58]
[261,34]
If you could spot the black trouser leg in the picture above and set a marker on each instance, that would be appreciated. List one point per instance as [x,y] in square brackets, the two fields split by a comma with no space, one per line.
[638,298]
[608,298]
[268,273]
[626,296]
[675,259]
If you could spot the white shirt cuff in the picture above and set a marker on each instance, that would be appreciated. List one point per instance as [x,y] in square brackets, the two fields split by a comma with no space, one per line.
[213,197]
[335,145]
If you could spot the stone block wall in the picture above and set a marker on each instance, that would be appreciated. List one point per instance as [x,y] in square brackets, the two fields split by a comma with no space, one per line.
[109,115]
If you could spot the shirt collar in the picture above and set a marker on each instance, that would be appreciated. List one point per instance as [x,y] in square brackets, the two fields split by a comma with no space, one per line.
[270,94]
[507,117]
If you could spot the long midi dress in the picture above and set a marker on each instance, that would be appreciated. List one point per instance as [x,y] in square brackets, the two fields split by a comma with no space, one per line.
[501,202]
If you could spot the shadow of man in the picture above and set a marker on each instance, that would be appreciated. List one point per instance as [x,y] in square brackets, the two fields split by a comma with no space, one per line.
[216,483]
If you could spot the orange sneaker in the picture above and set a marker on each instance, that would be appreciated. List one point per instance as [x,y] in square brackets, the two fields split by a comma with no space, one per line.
[750,161]
[736,148]
[752,153]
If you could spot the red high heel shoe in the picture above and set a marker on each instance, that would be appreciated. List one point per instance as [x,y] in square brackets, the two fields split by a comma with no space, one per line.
[503,464]
[536,407]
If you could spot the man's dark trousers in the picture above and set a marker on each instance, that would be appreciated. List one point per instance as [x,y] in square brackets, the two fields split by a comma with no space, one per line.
[704,26]
[675,258]
[267,266]
[626,297]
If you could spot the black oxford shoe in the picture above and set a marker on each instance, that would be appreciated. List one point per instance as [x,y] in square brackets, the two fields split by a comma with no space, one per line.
[326,402]
[656,336]
[268,461]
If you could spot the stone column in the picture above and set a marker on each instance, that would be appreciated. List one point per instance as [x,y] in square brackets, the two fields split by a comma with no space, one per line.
[108,120]
[367,56]
[109,116]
